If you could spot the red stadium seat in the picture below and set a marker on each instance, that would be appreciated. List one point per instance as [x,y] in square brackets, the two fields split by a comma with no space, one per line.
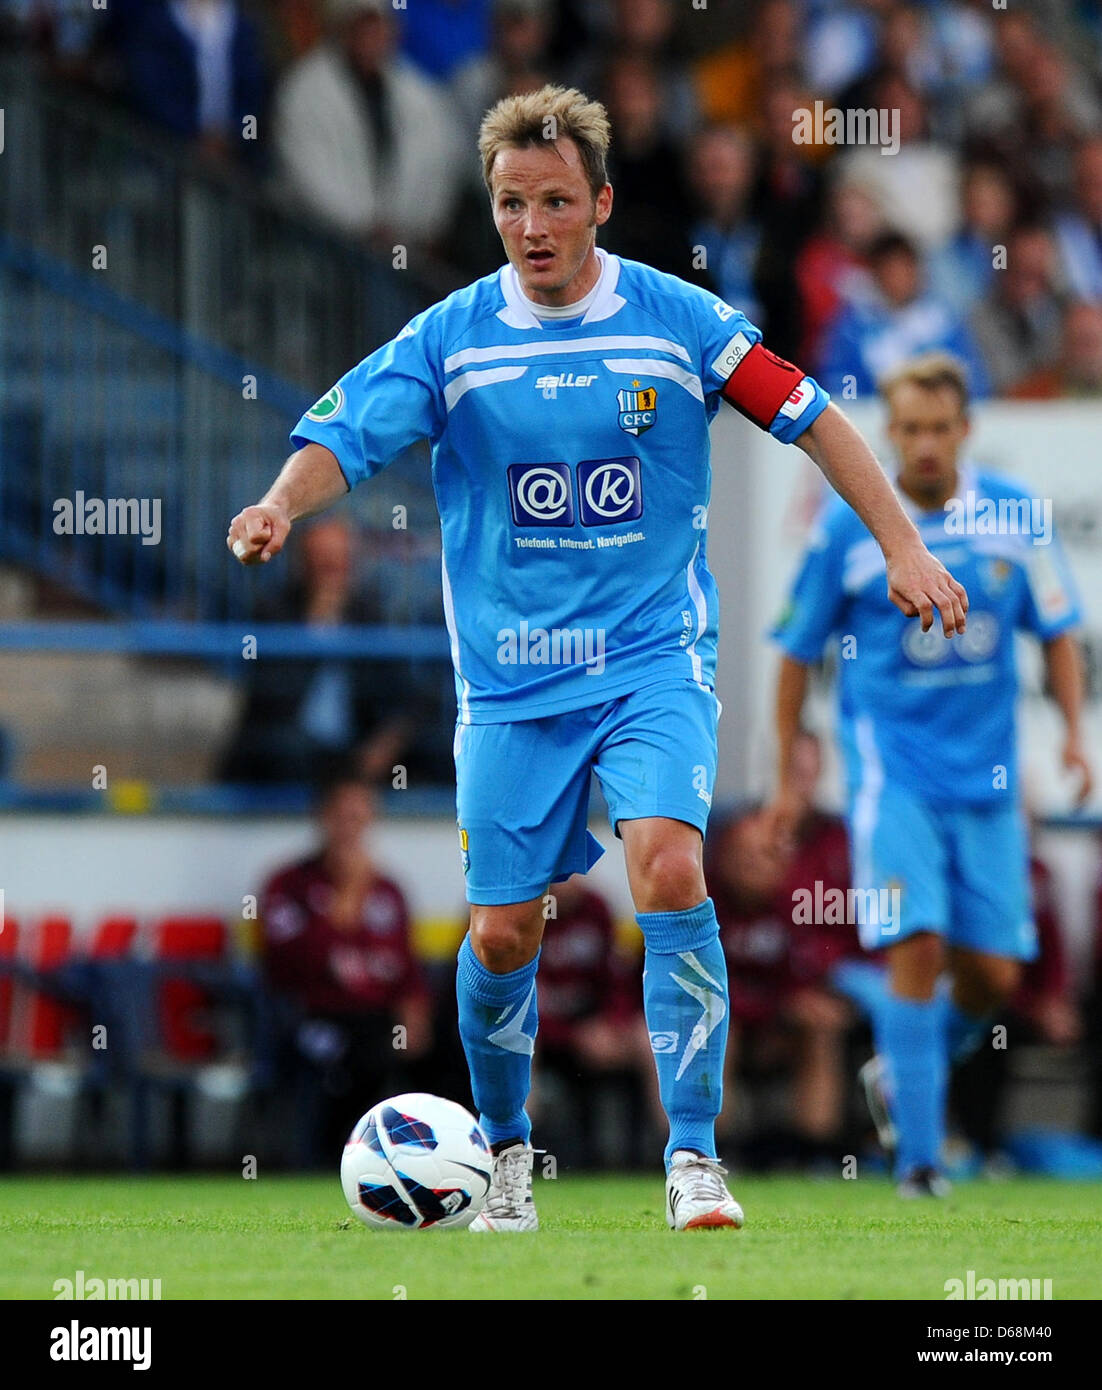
[47,1020]
[9,945]
[113,938]
[186,940]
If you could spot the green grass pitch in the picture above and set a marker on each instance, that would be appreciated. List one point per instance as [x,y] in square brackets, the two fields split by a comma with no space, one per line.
[602,1238]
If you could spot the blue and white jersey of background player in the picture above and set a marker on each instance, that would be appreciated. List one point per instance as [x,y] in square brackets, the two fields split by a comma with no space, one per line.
[930,714]
[570,463]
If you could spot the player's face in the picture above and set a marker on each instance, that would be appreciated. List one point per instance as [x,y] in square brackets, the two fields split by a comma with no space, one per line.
[927,429]
[547,218]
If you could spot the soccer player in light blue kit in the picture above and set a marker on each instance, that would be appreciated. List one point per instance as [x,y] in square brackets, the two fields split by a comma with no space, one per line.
[927,730]
[567,398]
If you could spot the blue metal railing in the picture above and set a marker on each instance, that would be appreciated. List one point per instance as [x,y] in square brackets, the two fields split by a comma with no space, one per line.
[217,250]
[222,641]
[173,373]
[286,799]
[99,402]
[85,292]
[103,399]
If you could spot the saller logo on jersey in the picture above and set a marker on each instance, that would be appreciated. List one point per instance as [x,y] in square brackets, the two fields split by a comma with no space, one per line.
[553,381]
[638,408]
[332,403]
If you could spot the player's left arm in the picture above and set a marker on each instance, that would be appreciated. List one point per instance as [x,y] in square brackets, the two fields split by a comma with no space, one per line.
[1065,683]
[780,398]
[918,583]
[1052,613]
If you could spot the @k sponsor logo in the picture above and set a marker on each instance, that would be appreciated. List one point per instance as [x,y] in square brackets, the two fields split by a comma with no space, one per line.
[604,492]
[609,490]
[541,494]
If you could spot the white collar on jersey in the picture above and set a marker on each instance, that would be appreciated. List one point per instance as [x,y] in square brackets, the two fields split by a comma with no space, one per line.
[967,481]
[519,313]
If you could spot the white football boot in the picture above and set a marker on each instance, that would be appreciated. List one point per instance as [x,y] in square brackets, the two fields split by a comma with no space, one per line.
[697,1196]
[873,1079]
[509,1205]
[924,1182]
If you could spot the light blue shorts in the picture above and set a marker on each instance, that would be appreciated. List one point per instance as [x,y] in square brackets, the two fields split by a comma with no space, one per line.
[522,789]
[959,871]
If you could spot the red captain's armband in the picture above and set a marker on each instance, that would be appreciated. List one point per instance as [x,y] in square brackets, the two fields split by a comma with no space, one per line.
[760,384]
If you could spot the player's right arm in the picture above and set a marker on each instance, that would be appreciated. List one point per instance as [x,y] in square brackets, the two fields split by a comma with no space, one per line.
[308,482]
[392,398]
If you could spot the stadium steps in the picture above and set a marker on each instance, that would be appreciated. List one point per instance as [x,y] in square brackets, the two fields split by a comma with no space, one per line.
[64,713]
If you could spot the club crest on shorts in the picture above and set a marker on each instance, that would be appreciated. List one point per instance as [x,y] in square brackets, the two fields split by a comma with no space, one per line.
[464,850]
[638,408]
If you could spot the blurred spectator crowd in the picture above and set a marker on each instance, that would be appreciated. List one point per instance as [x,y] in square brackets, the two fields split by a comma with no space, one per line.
[301,720]
[980,231]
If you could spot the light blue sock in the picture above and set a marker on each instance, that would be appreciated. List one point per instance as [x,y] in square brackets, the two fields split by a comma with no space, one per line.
[497,1025]
[910,1039]
[864,983]
[963,1033]
[685,1001]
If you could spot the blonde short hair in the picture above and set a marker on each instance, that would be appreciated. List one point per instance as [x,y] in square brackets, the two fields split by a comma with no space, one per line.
[538,118]
[933,371]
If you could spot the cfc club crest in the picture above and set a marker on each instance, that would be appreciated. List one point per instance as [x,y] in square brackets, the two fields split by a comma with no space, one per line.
[994,575]
[638,408]
[464,850]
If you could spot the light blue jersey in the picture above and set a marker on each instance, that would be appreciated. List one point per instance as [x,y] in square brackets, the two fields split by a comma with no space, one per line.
[570,462]
[934,716]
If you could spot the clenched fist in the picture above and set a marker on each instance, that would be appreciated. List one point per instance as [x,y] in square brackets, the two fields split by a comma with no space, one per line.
[257,533]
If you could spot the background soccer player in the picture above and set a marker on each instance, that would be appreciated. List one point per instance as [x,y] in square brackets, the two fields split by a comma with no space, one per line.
[928,737]
[567,398]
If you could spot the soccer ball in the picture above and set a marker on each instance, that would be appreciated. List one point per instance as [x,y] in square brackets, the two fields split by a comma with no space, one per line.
[416,1161]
